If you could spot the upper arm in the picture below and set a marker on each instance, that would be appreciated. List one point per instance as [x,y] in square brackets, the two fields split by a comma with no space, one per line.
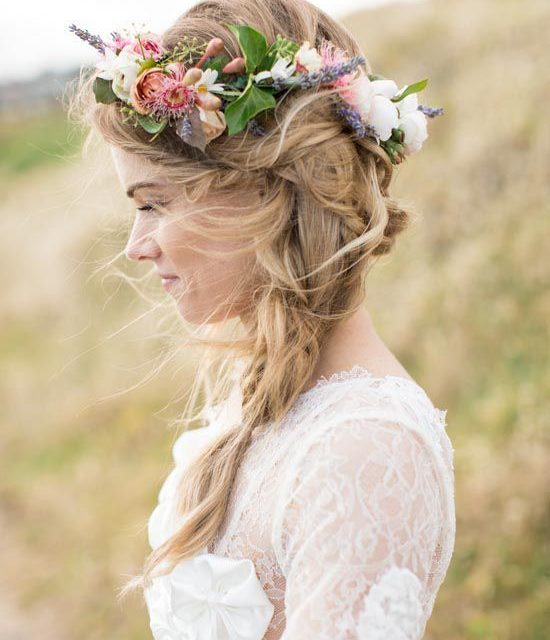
[356,532]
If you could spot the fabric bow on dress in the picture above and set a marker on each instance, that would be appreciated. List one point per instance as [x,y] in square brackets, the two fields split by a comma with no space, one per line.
[209,597]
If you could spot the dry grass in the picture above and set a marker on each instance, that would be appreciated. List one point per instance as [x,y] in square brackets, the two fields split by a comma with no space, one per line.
[464,302]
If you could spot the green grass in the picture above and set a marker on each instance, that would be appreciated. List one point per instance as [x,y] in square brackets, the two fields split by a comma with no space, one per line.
[36,141]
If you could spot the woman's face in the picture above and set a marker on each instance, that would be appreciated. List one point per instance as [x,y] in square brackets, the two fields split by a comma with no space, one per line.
[207,287]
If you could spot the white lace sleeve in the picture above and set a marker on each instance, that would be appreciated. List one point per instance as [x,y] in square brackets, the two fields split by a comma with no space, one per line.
[360,512]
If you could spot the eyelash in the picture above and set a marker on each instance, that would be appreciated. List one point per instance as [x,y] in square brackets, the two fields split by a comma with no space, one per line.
[146,207]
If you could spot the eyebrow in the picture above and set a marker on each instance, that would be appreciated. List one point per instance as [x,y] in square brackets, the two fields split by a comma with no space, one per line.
[140,185]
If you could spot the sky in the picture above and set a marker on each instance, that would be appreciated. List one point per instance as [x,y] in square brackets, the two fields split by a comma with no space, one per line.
[36,37]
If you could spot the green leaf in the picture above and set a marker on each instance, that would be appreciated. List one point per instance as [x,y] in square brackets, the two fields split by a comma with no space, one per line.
[397,135]
[412,88]
[281,48]
[372,77]
[393,149]
[150,124]
[252,43]
[252,101]
[217,63]
[147,64]
[103,91]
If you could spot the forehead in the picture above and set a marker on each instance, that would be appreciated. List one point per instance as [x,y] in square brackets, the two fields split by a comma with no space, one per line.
[132,168]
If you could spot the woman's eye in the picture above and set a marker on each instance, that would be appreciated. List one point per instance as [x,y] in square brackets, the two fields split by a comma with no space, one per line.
[146,207]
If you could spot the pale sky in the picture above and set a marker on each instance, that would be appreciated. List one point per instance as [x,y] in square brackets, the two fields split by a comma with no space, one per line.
[36,37]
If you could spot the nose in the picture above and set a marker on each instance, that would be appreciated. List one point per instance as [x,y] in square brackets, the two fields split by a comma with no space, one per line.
[141,244]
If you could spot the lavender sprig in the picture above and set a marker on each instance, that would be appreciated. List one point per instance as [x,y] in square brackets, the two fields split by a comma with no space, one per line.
[431,112]
[95,41]
[353,118]
[256,128]
[325,75]
[185,128]
[84,34]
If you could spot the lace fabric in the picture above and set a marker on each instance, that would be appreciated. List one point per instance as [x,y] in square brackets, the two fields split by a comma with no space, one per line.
[346,510]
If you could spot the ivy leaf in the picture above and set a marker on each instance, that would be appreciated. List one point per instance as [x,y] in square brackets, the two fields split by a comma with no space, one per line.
[250,103]
[150,124]
[412,88]
[103,91]
[252,43]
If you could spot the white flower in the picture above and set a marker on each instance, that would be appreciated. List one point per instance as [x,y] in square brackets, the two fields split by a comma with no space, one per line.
[308,57]
[415,127]
[206,597]
[281,70]
[371,98]
[408,104]
[208,79]
[413,122]
[122,69]
[383,116]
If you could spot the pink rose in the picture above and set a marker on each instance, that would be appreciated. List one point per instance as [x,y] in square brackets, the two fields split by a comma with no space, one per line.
[150,43]
[145,89]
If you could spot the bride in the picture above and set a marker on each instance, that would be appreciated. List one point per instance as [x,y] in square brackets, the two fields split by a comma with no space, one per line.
[317,499]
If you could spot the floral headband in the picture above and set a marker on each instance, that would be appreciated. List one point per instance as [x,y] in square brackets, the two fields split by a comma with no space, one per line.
[161,87]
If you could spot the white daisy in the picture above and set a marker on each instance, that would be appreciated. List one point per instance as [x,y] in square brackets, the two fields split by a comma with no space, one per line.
[281,70]
[208,80]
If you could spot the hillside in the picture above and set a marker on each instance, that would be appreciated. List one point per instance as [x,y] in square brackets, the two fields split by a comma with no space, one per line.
[464,302]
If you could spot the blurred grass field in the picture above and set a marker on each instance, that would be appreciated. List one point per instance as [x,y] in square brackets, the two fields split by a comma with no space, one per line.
[464,302]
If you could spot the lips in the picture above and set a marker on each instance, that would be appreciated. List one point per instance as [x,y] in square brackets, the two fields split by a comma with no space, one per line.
[168,283]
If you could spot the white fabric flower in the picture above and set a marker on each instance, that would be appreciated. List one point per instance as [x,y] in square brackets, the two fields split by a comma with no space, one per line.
[392,608]
[209,597]
[208,79]
[308,57]
[413,122]
[281,70]
[122,69]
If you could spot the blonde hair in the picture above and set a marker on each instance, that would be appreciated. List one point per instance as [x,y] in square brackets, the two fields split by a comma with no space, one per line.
[322,215]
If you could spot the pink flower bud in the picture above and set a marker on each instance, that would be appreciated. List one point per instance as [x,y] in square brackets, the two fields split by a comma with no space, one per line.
[215,47]
[208,101]
[237,65]
[191,76]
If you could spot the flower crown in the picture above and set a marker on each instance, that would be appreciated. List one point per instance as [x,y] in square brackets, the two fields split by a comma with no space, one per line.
[202,99]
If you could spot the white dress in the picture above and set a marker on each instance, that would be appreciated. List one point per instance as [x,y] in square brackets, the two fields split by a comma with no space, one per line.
[341,523]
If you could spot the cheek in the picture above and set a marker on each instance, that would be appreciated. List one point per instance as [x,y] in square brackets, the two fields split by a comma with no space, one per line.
[176,244]
[197,260]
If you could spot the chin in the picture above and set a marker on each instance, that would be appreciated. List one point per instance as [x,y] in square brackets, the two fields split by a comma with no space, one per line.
[197,316]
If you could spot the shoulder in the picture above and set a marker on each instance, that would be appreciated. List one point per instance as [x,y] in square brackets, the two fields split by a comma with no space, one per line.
[355,408]
[363,438]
